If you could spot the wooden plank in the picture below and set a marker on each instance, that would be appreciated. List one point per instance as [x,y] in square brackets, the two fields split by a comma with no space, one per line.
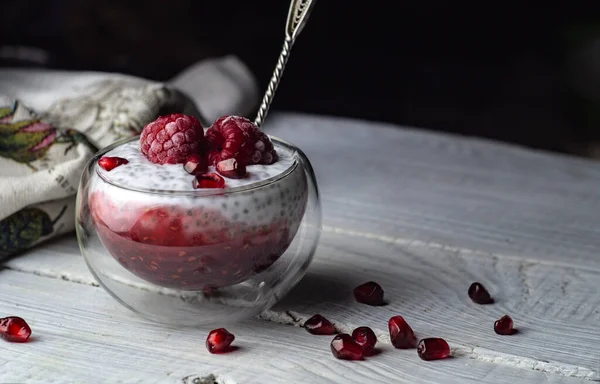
[556,308]
[82,335]
[58,258]
[414,186]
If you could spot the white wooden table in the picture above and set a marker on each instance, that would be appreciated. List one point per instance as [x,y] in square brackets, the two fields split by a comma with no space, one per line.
[424,215]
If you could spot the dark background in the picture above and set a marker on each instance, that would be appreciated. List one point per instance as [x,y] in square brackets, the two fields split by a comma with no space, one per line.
[498,70]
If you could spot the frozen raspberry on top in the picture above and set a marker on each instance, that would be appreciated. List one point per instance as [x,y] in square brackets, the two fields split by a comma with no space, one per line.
[171,139]
[237,137]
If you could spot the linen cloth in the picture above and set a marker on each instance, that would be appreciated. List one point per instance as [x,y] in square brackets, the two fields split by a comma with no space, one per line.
[52,123]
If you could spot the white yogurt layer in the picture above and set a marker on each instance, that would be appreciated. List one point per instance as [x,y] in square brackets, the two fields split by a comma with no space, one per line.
[281,199]
[141,173]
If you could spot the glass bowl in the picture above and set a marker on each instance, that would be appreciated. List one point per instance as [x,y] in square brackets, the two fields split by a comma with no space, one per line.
[204,256]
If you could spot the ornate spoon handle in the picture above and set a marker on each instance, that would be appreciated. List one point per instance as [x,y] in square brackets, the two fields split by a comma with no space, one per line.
[297,18]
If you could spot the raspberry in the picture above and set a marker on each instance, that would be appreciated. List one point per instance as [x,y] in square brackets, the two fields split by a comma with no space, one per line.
[237,137]
[171,139]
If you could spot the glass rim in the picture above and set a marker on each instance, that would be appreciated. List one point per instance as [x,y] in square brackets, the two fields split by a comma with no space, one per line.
[93,168]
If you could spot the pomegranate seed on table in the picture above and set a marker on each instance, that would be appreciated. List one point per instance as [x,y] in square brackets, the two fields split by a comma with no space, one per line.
[433,348]
[369,293]
[195,164]
[479,294]
[208,180]
[14,329]
[401,334]
[365,337]
[318,325]
[504,326]
[109,163]
[231,168]
[219,341]
[344,347]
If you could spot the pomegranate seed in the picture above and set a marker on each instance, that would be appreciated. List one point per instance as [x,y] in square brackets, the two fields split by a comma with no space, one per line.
[369,293]
[195,164]
[14,329]
[231,168]
[479,294]
[318,325]
[365,337]
[109,163]
[344,347]
[219,341]
[504,326]
[433,349]
[401,334]
[208,180]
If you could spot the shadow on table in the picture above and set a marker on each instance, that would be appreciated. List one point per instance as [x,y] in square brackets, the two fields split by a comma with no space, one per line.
[317,287]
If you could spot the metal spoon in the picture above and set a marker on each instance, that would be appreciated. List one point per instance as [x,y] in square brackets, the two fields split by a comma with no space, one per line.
[296,20]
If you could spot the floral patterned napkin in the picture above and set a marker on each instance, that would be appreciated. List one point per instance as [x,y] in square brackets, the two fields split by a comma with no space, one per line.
[52,122]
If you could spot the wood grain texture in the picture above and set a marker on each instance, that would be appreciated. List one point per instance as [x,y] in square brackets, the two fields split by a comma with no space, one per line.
[556,309]
[415,186]
[82,335]
[423,214]
[58,258]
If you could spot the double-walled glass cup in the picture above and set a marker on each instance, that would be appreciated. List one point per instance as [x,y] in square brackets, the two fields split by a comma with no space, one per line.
[203,256]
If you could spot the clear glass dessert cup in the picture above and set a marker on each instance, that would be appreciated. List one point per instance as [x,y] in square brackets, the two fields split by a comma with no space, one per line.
[204,256]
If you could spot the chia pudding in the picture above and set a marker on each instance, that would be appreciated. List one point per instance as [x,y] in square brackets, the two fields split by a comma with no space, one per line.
[157,225]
